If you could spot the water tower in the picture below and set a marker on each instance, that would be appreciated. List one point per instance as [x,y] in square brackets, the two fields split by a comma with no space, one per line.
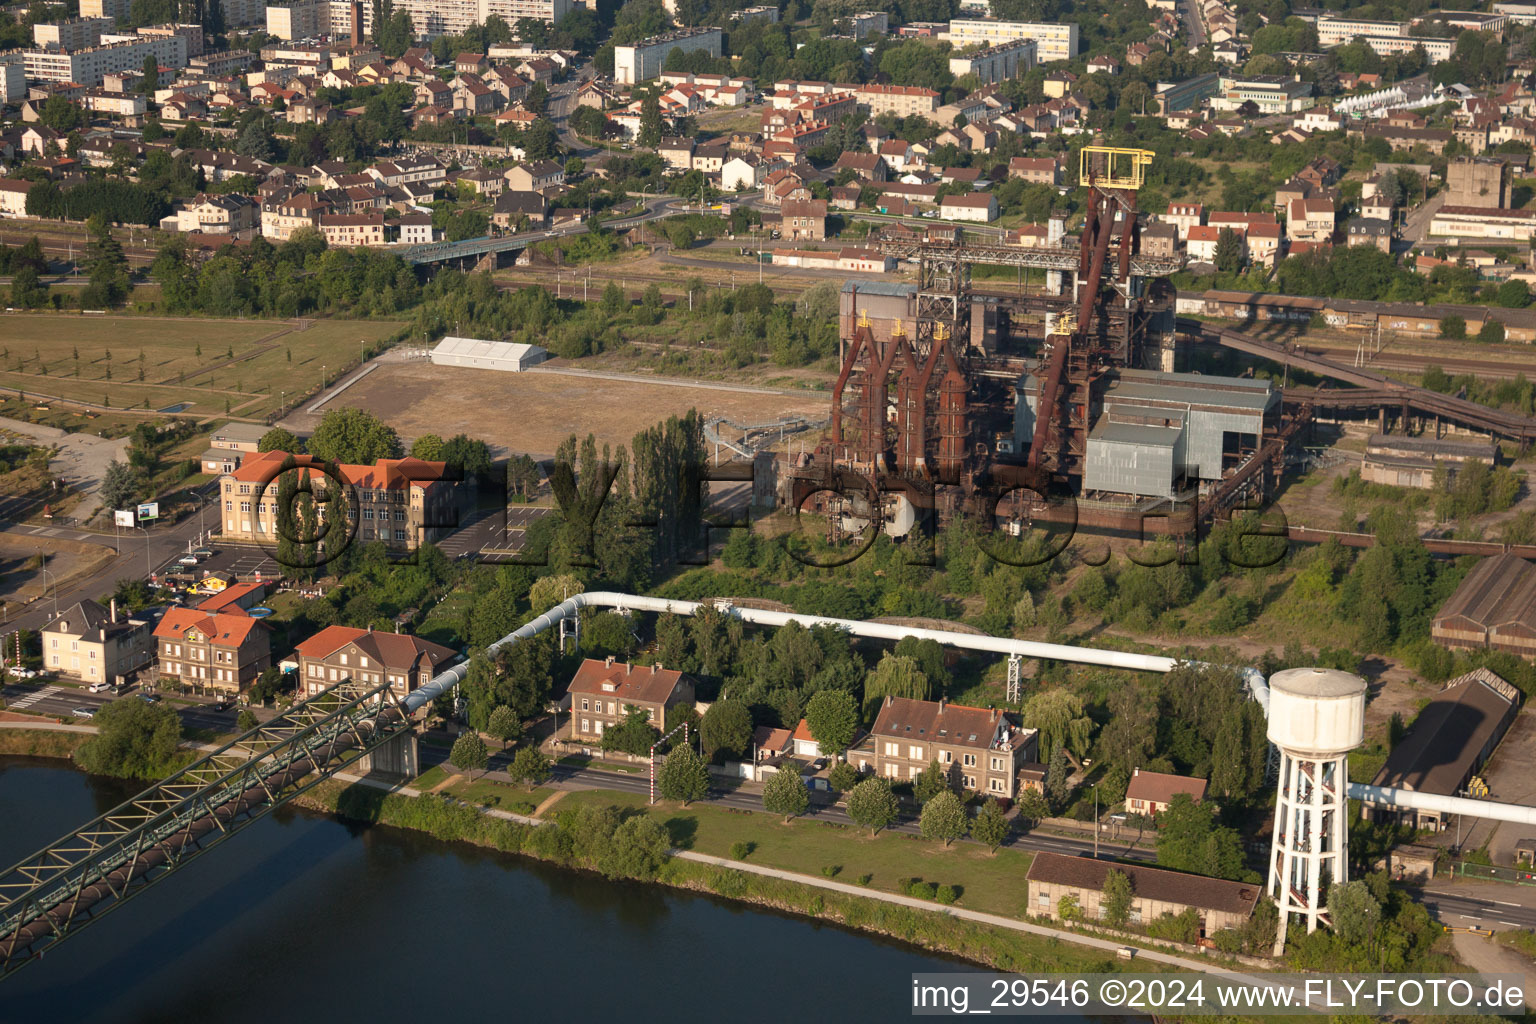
[1316,717]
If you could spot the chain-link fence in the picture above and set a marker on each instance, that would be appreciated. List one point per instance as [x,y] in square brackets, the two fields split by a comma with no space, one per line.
[1497,873]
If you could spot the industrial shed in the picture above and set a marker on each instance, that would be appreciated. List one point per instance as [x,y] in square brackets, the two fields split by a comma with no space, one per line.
[510,356]
[1213,407]
[1450,741]
[1135,450]
[1404,461]
[1495,606]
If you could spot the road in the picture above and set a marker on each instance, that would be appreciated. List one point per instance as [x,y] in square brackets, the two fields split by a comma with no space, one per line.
[1190,13]
[567,777]
[54,699]
[162,545]
[562,101]
[1416,224]
[1487,909]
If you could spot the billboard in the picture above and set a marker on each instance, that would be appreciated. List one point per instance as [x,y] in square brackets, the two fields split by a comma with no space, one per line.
[149,510]
[123,517]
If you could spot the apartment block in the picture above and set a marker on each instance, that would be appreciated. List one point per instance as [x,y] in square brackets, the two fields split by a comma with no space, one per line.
[399,502]
[1056,40]
[221,650]
[88,67]
[113,9]
[72,34]
[603,692]
[901,100]
[997,63]
[339,653]
[981,747]
[96,645]
[302,19]
[642,61]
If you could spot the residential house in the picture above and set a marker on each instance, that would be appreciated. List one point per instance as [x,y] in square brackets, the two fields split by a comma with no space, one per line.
[979,207]
[981,747]
[1310,220]
[535,176]
[13,197]
[1150,793]
[865,166]
[1037,170]
[743,172]
[221,650]
[676,152]
[229,214]
[369,657]
[1371,231]
[352,229]
[603,692]
[415,229]
[804,219]
[95,644]
[516,208]
[1184,216]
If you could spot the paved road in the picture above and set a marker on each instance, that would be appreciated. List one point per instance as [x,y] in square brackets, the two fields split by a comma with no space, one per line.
[1416,224]
[1492,907]
[1191,17]
[52,698]
[132,563]
[567,777]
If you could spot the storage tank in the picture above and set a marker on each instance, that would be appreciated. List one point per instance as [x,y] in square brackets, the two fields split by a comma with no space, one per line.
[1316,710]
[1316,717]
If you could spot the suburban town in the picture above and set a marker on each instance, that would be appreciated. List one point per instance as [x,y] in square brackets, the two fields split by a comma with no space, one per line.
[1040,487]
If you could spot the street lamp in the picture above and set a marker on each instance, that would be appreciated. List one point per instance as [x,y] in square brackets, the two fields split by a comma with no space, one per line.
[54,588]
[322,376]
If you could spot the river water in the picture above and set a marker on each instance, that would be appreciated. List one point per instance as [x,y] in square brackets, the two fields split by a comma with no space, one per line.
[305,918]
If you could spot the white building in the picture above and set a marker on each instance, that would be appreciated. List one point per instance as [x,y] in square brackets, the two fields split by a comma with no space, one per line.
[89,66]
[487,355]
[1056,40]
[997,63]
[642,61]
[71,34]
[13,77]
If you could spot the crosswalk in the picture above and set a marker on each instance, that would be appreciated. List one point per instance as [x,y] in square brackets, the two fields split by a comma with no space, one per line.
[35,696]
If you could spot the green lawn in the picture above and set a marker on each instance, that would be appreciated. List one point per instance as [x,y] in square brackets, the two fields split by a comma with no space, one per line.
[994,882]
[244,366]
[490,793]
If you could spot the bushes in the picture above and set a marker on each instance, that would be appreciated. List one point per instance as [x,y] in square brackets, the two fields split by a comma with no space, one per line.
[741,849]
[921,890]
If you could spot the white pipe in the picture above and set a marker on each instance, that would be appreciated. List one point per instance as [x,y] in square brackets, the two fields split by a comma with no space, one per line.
[1253,679]
[1390,796]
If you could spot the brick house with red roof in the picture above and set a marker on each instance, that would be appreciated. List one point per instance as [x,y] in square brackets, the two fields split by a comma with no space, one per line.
[602,692]
[369,657]
[981,747]
[400,502]
[224,650]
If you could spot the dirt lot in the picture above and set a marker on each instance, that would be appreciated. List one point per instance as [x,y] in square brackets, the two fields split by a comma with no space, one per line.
[534,412]
[68,560]
[1511,777]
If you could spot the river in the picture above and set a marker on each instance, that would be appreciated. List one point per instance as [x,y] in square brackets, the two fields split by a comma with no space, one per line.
[306,918]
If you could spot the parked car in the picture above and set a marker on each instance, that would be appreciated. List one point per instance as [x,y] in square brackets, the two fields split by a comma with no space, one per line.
[150,698]
[187,560]
[83,712]
[223,704]
[98,686]
[202,552]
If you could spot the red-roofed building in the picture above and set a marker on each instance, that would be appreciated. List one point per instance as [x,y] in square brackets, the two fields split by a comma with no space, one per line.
[1150,793]
[980,747]
[237,597]
[602,692]
[400,502]
[225,650]
[366,656]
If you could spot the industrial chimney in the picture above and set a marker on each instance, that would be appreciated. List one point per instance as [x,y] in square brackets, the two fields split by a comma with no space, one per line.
[357,24]
[1316,717]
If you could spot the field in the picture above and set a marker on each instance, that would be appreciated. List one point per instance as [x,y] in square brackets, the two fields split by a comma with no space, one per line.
[245,367]
[534,412]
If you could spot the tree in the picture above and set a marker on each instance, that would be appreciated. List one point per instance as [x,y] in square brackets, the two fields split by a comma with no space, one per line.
[151,80]
[256,140]
[280,439]
[637,849]
[1513,294]
[1058,786]
[353,436]
[833,718]
[1058,714]
[931,781]
[27,292]
[990,826]
[1117,896]
[634,735]
[785,793]
[1355,911]
[844,776]
[1033,805]
[683,776]
[427,447]
[943,818]
[1229,251]
[1068,908]
[504,725]
[1491,333]
[650,122]
[897,675]
[119,485]
[529,765]
[872,805]
[246,720]
[1188,839]
[727,727]
[469,753]
[135,739]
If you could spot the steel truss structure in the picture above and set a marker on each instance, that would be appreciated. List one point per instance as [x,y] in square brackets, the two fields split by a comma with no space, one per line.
[74,881]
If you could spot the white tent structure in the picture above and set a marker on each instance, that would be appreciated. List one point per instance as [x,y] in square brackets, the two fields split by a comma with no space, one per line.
[510,356]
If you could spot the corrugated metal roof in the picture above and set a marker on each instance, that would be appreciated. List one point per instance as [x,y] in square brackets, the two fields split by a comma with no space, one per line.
[892,288]
[1176,393]
[1135,433]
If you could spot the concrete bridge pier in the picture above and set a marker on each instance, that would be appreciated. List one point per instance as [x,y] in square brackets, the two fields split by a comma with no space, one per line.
[398,758]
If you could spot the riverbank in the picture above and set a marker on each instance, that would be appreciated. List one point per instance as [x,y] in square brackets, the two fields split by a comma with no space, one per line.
[990,940]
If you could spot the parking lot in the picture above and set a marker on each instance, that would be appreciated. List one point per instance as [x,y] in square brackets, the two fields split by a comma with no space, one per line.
[242,560]
[492,535]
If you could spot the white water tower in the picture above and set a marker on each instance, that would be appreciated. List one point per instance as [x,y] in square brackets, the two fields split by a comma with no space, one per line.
[1316,717]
